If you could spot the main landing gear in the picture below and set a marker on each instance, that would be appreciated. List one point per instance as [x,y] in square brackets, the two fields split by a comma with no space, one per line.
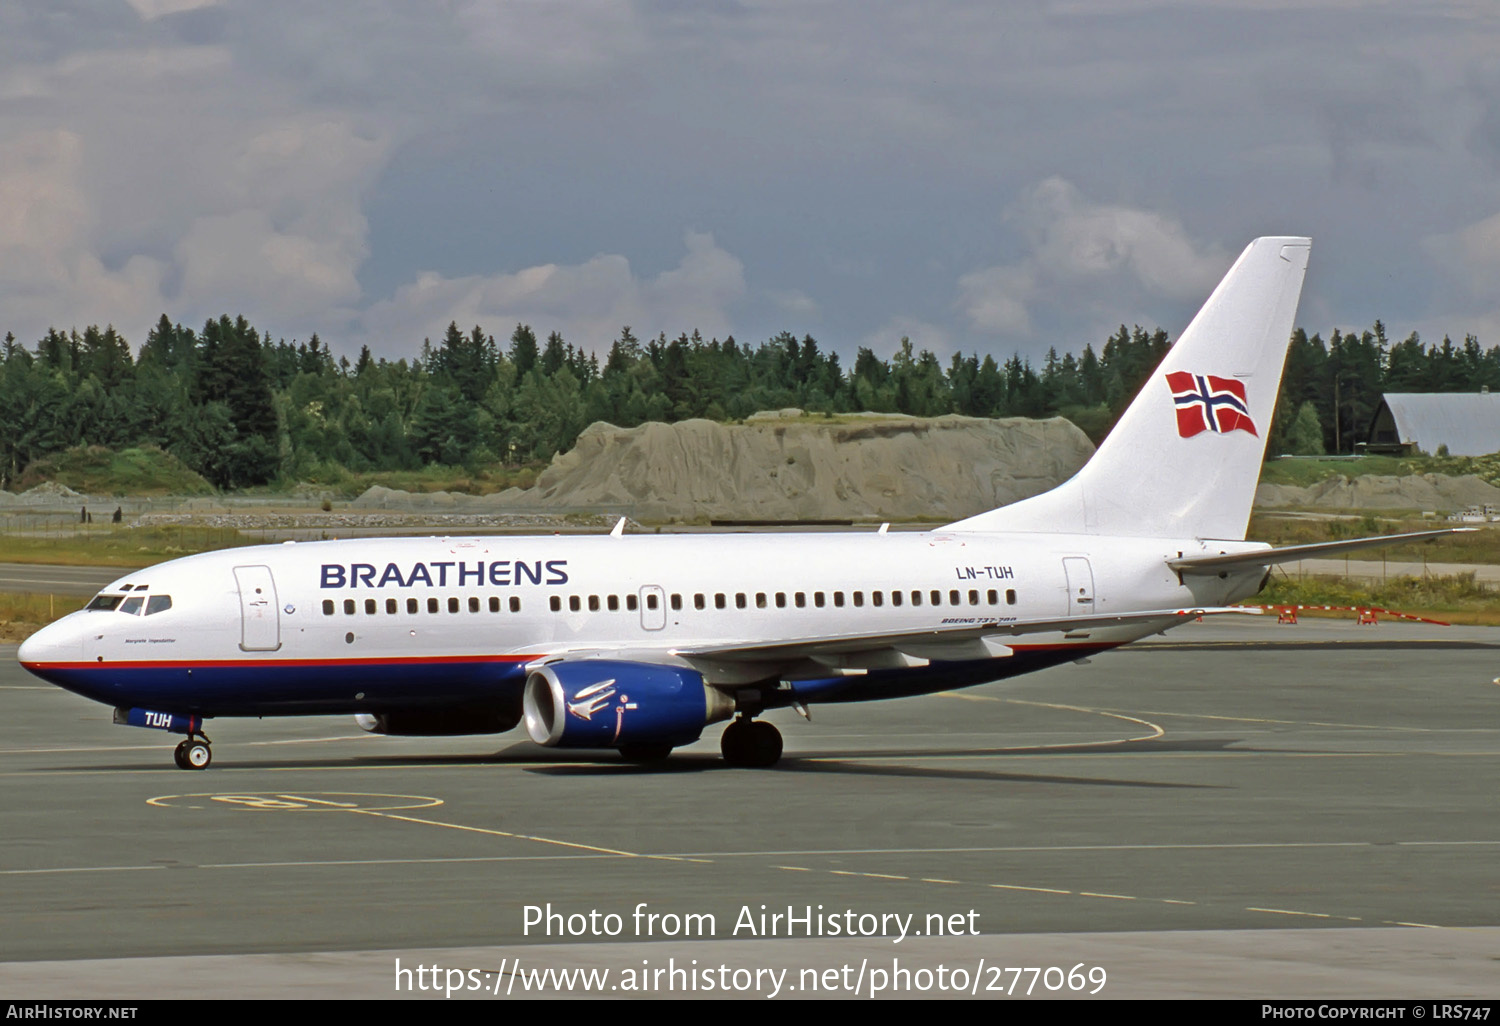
[753,744]
[193,754]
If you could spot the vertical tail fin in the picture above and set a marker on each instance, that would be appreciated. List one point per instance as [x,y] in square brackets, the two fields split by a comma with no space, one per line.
[1184,459]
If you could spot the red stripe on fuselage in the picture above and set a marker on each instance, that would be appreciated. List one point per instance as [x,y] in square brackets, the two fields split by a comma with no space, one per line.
[167,664]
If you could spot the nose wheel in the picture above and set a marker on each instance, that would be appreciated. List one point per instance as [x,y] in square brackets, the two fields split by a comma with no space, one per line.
[193,754]
[752,744]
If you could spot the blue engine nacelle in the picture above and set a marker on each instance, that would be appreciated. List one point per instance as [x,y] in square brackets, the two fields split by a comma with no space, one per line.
[601,703]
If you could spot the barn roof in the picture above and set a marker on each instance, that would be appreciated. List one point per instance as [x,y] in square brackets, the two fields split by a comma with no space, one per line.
[1468,423]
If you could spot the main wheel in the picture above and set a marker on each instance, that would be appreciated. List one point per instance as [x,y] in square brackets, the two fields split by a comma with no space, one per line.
[750,743]
[765,744]
[646,753]
[196,755]
[179,755]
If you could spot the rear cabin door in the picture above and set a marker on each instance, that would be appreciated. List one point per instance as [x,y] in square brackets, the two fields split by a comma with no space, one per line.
[1080,585]
[260,624]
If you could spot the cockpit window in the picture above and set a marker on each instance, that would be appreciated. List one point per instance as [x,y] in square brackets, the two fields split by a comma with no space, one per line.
[132,605]
[158,603]
[104,602]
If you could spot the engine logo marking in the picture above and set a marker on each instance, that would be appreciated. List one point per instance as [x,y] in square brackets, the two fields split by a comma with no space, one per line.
[592,698]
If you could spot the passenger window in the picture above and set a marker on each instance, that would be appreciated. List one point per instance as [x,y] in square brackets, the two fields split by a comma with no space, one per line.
[781,600]
[574,603]
[432,605]
[651,601]
[838,598]
[760,600]
[1010,596]
[348,607]
[327,607]
[676,601]
[631,603]
[818,599]
[556,604]
[993,596]
[494,603]
[916,598]
[593,603]
[453,604]
[515,604]
[895,598]
[158,604]
[859,598]
[699,602]
[370,607]
[800,599]
[974,598]
[876,598]
[132,605]
[391,607]
[412,605]
[739,600]
[613,603]
[953,599]
[719,600]
[473,603]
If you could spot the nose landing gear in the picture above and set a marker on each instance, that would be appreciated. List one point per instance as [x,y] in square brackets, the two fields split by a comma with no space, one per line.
[193,754]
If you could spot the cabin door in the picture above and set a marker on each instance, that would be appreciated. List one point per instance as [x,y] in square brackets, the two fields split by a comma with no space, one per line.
[1080,585]
[653,607]
[260,624]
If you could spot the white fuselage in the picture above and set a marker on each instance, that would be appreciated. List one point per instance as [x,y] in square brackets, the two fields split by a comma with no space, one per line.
[302,627]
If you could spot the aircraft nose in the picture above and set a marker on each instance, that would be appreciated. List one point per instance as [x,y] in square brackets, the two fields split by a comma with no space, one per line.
[57,642]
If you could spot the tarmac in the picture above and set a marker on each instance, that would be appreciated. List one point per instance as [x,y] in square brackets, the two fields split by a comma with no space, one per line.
[1237,809]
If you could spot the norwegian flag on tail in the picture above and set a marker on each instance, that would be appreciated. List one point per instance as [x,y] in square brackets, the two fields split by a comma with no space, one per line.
[1208,403]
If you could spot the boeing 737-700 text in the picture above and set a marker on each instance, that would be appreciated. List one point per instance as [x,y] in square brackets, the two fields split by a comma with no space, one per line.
[638,643]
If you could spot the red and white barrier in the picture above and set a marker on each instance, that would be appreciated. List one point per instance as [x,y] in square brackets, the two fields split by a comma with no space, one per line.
[1363,614]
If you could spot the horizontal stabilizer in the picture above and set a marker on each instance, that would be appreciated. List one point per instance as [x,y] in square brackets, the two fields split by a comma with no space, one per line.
[1266,557]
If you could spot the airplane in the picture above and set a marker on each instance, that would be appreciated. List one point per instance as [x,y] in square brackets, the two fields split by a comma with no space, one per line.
[639,642]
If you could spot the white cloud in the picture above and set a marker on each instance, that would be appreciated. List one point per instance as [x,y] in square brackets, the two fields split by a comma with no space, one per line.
[886,339]
[1086,260]
[150,10]
[119,213]
[1471,256]
[1469,262]
[588,302]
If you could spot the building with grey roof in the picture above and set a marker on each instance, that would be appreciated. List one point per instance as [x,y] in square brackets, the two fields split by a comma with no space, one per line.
[1468,423]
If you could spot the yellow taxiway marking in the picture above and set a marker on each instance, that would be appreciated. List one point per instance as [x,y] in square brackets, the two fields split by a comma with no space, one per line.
[525,837]
[1286,723]
[1289,912]
[298,802]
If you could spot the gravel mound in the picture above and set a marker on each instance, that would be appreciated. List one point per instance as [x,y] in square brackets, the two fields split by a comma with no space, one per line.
[1437,492]
[783,466]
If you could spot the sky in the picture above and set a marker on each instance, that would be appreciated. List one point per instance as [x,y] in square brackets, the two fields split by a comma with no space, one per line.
[979,177]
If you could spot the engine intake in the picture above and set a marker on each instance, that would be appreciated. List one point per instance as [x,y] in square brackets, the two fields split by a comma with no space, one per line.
[602,703]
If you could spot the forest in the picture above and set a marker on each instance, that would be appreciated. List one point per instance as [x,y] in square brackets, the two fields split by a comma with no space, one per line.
[245,411]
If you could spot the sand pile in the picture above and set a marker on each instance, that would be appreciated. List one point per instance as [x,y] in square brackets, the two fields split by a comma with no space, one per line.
[785,466]
[1437,492]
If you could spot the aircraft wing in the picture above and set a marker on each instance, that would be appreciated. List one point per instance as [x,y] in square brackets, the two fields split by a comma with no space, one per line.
[981,640]
[1266,557]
